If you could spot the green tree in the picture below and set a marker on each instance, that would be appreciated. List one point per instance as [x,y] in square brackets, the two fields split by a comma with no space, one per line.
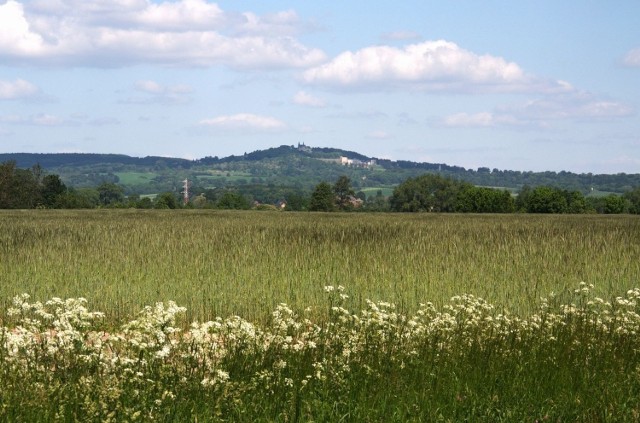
[199,201]
[132,200]
[545,199]
[233,200]
[82,198]
[52,188]
[484,200]
[6,182]
[296,202]
[576,203]
[110,194]
[343,192]
[523,198]
[426,193]
[18,187]
[633,198]
[614,204]
[322,198]
[166,200]
[26,192]
[377,203]
[144,203]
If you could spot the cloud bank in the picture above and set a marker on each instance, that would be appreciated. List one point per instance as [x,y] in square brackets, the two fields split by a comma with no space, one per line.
[541,112]
[244,121]
[129,32]
[431,66]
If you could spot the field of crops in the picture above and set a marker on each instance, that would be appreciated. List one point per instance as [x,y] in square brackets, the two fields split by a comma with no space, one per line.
[219,263]
[440,317]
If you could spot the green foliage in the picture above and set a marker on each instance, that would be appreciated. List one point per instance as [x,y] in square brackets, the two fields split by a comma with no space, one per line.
[52,189]
[28,188]
[433,193]
[633,197]
[110,194]
[426,193]
[81,198]
[547,199]
[166,200]
[296,201]
[19,188]
[377,203]
[343,193]
[611,204]
[472,199]
[322,198]
[233,200]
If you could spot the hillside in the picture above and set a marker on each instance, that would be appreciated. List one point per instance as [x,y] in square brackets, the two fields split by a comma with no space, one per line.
[294,167]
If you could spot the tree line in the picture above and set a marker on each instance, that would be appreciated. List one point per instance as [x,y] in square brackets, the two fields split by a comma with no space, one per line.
[433,193]
[34,188]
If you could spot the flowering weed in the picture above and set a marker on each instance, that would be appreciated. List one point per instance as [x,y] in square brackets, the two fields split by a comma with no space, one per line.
[467,360]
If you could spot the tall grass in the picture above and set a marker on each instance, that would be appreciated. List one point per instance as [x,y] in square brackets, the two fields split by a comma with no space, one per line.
[495,352]
[222,263]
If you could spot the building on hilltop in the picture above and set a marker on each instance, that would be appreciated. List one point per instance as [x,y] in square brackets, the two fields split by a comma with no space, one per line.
[304,148]
[345,161]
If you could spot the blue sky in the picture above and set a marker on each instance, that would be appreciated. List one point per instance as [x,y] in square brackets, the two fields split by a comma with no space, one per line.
[527,85]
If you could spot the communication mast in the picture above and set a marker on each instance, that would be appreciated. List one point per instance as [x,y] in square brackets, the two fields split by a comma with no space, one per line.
[185,191]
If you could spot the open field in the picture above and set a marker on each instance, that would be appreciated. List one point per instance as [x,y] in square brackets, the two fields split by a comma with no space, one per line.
[332,355]
[135,178]
[218,263]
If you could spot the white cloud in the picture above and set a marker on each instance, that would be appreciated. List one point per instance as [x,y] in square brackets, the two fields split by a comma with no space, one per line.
[50,120]
[126,32]
[481,120]
[157,93]
[244,121]
[378,135]
[17,89]
[286,23]
[575,105]
[632,58]
[149,87]
[46,120]
[484,119]
[541,112]
[365,115]
[40,119]
[192,14]
[305,99]
[431,65]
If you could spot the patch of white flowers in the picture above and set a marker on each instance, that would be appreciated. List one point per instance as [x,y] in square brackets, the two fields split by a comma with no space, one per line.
[291,352]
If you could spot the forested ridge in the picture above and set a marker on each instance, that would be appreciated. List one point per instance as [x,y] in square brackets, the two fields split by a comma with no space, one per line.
[292,166]
[303,178]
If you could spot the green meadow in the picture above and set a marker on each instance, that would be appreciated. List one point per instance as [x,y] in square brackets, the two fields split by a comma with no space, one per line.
[218,263]
[212,316]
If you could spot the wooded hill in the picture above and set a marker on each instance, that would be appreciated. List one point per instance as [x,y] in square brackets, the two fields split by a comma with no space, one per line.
[296,167]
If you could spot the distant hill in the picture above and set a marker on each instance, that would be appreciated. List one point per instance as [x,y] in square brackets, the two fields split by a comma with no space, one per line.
[289,166]
[55,160]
